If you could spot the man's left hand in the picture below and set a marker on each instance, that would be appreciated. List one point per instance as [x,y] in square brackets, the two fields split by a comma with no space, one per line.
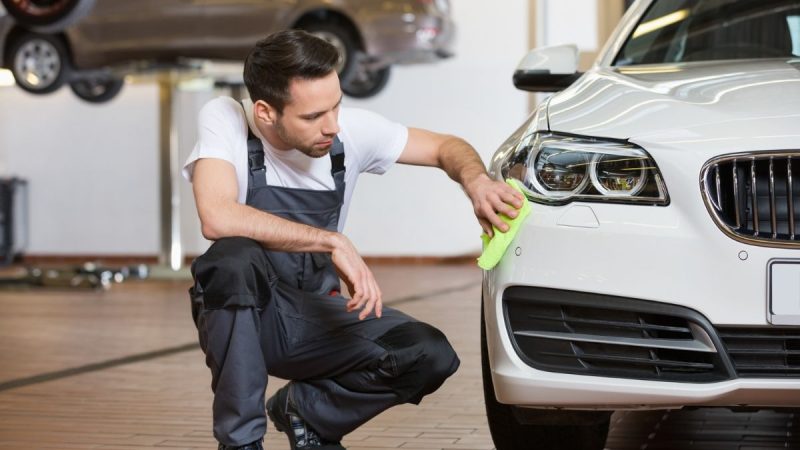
[491,198]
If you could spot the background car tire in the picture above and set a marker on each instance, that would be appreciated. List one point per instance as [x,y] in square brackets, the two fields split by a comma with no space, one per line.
[509,434]
[97,89]
[47,16]
[357,81]
[365,83]
[39,62]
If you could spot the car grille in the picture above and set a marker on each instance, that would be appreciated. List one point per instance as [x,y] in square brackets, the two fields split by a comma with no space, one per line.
[763,352]
[755,198]
[591,334]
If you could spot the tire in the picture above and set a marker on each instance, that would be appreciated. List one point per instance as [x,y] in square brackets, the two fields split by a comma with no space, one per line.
[39,62]
[366,83]
[97,89]
[339,34]
[357,81]
[509,434]
[47,16]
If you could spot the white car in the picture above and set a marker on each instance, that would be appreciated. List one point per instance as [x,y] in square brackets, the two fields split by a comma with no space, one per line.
[659,267]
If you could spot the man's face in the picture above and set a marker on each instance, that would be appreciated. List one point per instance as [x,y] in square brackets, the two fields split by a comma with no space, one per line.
[310,120]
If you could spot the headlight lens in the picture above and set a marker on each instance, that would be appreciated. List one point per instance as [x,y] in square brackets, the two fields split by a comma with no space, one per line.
[560,173]
[623,176]
[558,169]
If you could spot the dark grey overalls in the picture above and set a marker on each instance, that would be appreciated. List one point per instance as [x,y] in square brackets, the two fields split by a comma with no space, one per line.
[260,311]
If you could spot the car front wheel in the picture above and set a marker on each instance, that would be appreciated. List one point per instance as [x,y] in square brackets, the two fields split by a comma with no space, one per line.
[559,432]
[364,83]
[97,89]
[39,62]
[47,15]
[357,79]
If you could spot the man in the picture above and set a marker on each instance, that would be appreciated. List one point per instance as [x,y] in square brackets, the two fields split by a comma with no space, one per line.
[272,179]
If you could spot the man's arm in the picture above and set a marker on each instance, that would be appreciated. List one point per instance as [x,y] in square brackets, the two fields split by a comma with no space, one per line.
[221,215]
[215,191]
[462,164]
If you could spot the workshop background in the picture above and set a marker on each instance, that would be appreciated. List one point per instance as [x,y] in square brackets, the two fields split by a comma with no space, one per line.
[97,229]
[94,168]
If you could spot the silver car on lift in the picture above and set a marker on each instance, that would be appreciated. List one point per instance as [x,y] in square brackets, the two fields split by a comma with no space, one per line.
[89,43]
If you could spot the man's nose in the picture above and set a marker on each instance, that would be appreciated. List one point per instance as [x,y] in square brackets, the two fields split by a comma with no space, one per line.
[330,126]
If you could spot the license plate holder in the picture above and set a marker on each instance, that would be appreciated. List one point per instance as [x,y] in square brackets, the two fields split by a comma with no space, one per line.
[783,292]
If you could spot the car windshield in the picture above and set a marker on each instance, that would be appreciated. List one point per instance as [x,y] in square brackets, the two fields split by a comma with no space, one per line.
[674,31]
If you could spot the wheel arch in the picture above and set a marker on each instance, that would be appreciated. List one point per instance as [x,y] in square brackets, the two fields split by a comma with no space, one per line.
[328,15]
[53,21]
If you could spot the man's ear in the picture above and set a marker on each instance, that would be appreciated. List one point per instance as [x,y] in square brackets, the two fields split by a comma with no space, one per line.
[264,112]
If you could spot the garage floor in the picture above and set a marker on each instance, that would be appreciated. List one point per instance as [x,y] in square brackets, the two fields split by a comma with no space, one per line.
[121,370]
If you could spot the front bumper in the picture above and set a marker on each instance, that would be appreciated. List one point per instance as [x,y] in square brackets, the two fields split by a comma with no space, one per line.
[552,390]
[662,255]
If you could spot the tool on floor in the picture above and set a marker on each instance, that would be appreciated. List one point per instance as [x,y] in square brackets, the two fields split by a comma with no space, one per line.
[14,231]
[88,275]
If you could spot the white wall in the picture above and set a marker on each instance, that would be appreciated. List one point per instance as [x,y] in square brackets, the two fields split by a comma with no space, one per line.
[94,176]
[567,22]
[91,170]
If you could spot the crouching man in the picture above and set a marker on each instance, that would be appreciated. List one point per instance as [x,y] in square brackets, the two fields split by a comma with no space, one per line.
[272,178]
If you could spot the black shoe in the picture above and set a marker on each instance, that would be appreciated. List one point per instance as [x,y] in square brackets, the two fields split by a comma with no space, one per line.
[251,446]
[279,410]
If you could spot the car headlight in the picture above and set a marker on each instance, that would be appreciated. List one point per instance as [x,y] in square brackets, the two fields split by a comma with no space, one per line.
[558,169]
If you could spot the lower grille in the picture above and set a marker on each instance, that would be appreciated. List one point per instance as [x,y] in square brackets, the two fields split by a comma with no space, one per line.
[763,352]
[590,334]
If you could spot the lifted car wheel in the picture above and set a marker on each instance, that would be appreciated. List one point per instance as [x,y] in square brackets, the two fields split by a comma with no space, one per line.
[47,15]
[340,36]
[559,432]
[364,83]
[357,80]
[97,89]
[39,62]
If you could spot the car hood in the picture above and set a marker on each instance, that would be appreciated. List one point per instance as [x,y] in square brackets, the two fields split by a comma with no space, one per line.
[655,103]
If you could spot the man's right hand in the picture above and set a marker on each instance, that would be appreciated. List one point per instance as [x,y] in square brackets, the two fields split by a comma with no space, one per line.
[359,279]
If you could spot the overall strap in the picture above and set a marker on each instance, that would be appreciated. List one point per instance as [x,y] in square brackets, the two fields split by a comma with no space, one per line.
[257,171]
[337,166]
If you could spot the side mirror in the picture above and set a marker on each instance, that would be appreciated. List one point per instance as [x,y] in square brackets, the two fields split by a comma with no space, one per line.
[548,69]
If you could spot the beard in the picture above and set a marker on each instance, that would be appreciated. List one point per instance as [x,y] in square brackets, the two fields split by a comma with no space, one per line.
[314,151]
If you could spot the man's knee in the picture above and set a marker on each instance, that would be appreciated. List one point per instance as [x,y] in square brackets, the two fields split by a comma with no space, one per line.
[234,271]
[421,359]
[234,253]
[440,360]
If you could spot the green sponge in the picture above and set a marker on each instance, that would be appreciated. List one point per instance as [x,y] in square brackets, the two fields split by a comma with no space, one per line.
[495,247]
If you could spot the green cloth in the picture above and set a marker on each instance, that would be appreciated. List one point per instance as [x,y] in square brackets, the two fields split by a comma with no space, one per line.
[494,248]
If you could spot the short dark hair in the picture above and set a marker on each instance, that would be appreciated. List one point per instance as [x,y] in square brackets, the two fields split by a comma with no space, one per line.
[282,56]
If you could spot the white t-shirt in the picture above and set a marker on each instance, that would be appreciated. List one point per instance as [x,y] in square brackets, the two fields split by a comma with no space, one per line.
[371,144]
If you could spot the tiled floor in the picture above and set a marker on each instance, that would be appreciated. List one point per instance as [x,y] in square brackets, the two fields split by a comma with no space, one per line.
[164,401]
[121,370]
